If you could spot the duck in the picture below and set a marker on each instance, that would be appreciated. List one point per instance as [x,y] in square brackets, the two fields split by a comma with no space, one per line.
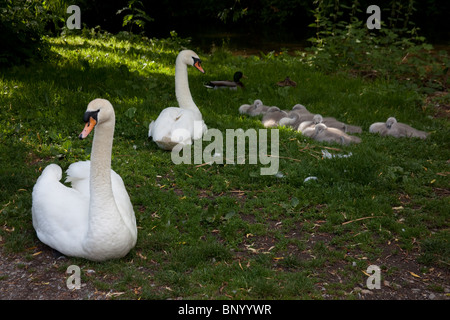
[272,117]
[320,132]
[396,129]
[179,126]
[227,84]
[287,82]
[94,218]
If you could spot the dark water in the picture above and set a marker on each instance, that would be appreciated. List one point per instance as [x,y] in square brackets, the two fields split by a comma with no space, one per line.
[245,44]
[242,41]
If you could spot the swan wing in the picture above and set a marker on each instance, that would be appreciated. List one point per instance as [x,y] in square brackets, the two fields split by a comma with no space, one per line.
[123,203]
[78,175]
[378,127]
[59,213]
[177,126]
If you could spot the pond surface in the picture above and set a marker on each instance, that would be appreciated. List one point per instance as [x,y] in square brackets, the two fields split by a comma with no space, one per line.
[246,44]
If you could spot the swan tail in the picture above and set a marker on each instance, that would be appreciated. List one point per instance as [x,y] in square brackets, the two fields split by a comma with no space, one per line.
[78,171]
[166,143]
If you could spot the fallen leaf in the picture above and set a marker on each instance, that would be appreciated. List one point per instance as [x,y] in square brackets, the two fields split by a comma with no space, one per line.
[141,256]
[414,275]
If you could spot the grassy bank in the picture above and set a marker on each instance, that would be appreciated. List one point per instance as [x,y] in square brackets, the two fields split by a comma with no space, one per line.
[225,231]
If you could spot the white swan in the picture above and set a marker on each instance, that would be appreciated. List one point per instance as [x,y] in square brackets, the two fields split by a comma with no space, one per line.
[179,126]
[94,219]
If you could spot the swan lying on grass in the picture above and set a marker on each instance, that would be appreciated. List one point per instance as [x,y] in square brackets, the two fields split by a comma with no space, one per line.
[180,125]
[272,117]
[322,133]
[255,109]
[396,129]
[94,219]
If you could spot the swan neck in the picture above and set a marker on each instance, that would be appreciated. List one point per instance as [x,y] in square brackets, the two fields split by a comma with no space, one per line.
[182,91]
[101,194]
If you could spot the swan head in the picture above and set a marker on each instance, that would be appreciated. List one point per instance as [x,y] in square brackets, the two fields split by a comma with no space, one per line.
[317,119]
[320,127]
[190,58]
[98,111]
[257,103]
[390,121]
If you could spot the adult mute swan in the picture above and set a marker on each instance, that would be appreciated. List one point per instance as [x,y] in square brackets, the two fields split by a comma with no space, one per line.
[179,126]
[94,219]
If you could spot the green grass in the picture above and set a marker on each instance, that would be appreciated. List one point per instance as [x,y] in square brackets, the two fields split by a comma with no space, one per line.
[225,231]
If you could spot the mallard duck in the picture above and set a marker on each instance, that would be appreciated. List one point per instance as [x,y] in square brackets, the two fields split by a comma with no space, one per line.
[227,84]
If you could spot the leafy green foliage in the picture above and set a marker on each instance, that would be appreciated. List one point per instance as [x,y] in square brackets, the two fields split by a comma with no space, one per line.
[22,25]
[136,15]
[396,51]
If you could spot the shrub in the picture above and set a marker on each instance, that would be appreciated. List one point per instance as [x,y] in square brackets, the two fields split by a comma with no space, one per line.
[396,51]
[22,25]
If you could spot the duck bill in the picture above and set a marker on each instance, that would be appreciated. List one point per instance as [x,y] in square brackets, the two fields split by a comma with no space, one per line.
[199,67]
[88,128]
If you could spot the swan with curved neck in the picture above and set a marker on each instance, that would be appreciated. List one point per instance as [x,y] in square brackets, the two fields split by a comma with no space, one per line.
[179,126]
[94,219]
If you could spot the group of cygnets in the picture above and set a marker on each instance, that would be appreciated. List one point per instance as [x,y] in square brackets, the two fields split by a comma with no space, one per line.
[326,129]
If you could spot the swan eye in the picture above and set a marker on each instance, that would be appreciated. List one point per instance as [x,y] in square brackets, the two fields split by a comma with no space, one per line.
[90,114]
